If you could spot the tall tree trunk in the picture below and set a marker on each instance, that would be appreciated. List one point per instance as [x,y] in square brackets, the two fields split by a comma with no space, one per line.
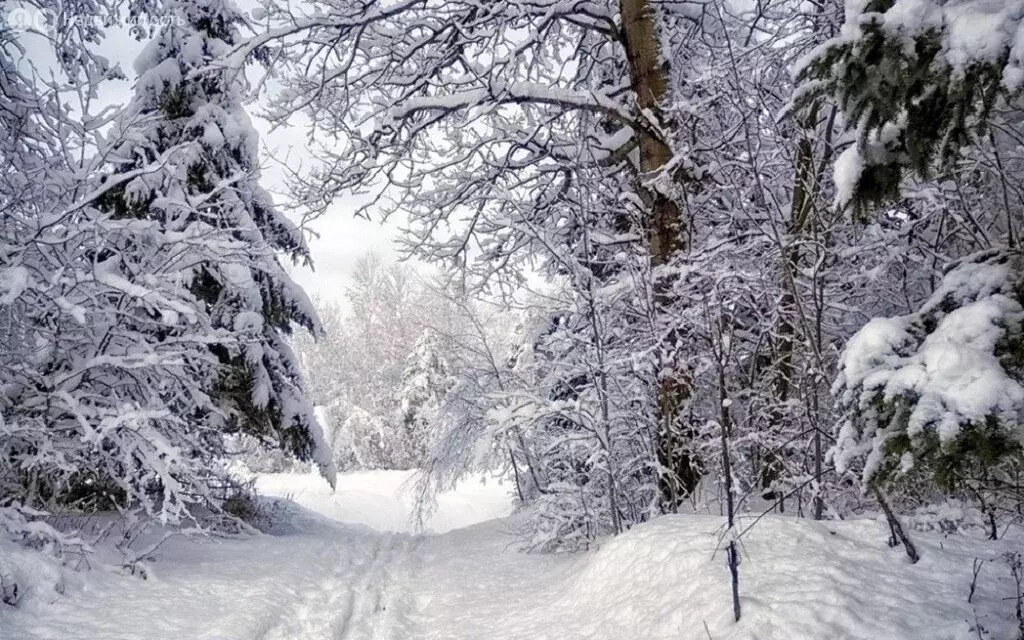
[725,424]
[649,76]
[804,190]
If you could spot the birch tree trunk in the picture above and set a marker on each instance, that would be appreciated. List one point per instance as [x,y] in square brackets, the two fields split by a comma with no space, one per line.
[649,76]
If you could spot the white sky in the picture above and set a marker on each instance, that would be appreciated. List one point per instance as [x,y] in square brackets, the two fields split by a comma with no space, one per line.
[342,236]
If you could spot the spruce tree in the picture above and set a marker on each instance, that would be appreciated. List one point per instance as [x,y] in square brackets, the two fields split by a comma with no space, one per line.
[916,84]
[187,113]
[937,395]
[426,380]
[932,91]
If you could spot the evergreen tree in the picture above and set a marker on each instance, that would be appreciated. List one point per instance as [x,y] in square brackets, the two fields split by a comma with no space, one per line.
[937,394]
[426,381]
[917,82]
[930,98]
[133,304]
[188,113]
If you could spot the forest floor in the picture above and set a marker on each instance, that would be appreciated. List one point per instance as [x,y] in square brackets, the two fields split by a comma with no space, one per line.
[347,566]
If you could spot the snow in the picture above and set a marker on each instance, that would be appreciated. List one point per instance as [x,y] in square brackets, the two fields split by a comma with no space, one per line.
[958,371]
[346,566]
[874,347]
[847,171]
[944,360]
[1013,75]
[955,373]
[385,500]
[530,92]
[980,30]
[972,30]
[13,281]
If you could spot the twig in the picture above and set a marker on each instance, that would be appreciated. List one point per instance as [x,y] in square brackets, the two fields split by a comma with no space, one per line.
[978,564]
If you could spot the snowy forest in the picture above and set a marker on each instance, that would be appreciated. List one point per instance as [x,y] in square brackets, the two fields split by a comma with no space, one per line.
[757,261]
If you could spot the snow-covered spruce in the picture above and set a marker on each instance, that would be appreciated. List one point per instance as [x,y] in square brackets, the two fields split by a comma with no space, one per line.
[144,308]
[938,393]
[917,81]
[190,111]
[103,349]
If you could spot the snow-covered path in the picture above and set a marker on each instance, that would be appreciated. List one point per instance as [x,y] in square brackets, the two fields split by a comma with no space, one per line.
[344,570]
[361,595]
[347,567]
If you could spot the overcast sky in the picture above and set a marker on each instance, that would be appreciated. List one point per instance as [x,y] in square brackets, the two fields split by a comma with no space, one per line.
[342,236]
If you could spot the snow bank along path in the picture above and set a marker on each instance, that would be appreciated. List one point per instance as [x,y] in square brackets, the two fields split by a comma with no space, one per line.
[347,567]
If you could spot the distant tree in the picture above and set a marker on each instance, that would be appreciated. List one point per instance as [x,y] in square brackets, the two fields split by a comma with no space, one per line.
[425,384]
[369,360]
[367,441]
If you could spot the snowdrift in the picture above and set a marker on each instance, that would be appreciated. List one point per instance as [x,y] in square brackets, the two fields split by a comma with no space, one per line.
[798,579]
[346,565]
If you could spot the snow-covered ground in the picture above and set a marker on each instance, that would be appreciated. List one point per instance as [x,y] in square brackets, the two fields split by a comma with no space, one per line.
[385,500]
[344,566]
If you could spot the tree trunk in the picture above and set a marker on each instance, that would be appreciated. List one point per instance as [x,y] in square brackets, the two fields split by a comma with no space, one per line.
[732,552]
[772,464]
[649,76]
[898,534]
[806,189]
